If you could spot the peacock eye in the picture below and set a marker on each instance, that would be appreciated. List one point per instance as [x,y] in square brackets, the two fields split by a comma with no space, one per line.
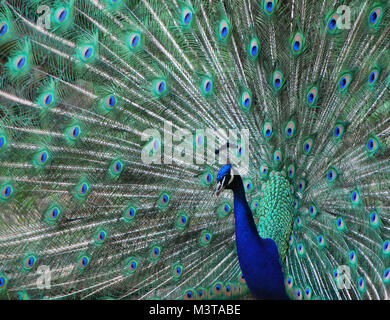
[277,80]
[289,129]
[187,17]
[373,77]
[267,130]
[375,16]
[87,52]
[132,266]
[386,275]
[29,262]
[83,262]
[6,191]
[297,43]
[110,101]
[207,86]
[74,132]
[134,41]
[2,142]
[54,213]
[246,100]
[42,157]
[47,99]
[160,87]
[307,146]
[344,82]
[3,29]
[223,30]
[254,48]
[177,270]
[332,23]
[269,6]
[20,62]
[61,14]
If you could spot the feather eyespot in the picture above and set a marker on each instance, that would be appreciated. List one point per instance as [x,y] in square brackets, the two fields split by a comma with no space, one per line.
[278,156]
[277,80]
[307,146]
[177,270]
[312,97]
[87,52]
[254,48]
[321,240]
[345,81]
[386,275]
[338,131]
[361,283]
[20,62]
[164,200]
[308,293]
[269,7]
[156,252]
[331,175]
[189,294]
[61,15]
[3,282]
[297,44]
[291,171]
[83,262]
[205,238]
[74,133]
[116,168]
[340,224]
[54,213]
[313,210]
[246,100]
[374,219]
[289,282]
[207,86]
[301,185]
[372,79]
[355,197]
[83,189]
[332,23]
[110,102]
[267,130]
[160,87]
[182,221]
[375,16]
[372,145]
[129,213]
[289,129]
[186,17]
[217,288]
[264,170]
[132,265]
[6,191]
[386,247]
[43,157]
[47,99]
[298,294]
[3,142]
[352,257]
[29,262]
[223,30]
[3,29]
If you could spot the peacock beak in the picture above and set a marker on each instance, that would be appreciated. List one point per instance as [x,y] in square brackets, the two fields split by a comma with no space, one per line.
[220,187]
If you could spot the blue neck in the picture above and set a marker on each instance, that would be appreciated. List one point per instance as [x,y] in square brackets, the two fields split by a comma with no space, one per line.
[258,258]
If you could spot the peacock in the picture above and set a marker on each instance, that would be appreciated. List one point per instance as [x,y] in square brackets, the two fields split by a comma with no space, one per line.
[194,149]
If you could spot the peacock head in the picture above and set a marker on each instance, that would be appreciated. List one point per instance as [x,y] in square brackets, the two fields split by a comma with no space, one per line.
[225,179]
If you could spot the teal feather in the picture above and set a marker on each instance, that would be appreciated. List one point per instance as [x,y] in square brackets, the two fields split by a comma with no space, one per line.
[76,99]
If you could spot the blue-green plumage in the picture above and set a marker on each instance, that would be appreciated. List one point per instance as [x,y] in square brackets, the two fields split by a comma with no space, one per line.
[108,111]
